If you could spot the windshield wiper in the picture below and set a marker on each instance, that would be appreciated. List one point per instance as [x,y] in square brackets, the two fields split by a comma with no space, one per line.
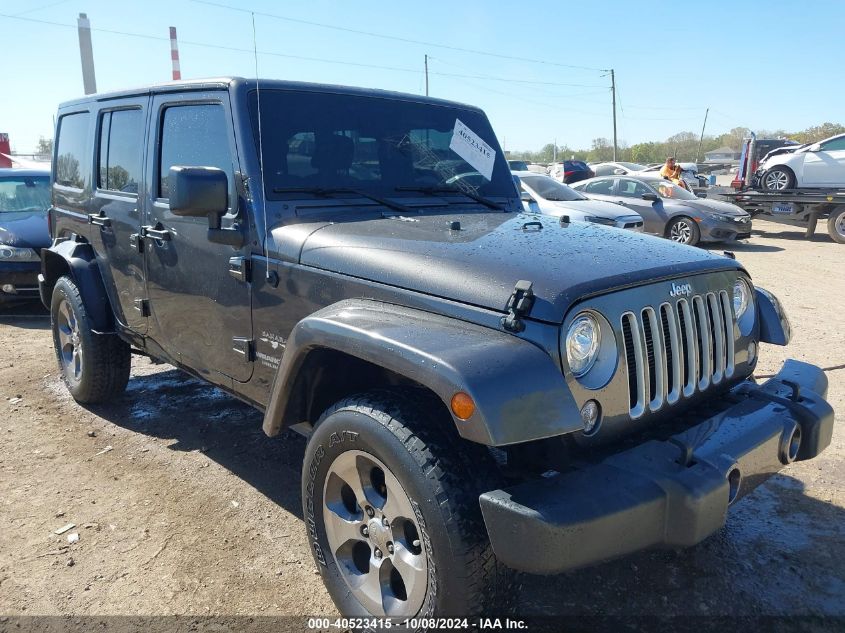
[443,189]
[326,191]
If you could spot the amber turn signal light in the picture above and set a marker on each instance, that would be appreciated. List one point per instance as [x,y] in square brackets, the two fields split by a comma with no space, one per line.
[462,405]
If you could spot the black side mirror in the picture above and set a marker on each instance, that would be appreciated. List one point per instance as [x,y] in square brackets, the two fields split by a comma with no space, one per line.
[651,196]
[198,192]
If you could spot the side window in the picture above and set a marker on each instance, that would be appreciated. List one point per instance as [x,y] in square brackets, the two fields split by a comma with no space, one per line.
[632,188]
[72,166]
[194,136]
[121,143]
[602,187]
[604,170]
[834,145]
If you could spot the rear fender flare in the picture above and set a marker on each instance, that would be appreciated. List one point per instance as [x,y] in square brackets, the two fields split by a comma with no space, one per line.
[519,391]
[79,261]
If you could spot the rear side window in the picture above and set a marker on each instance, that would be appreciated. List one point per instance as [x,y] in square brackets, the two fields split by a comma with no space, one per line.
[72,167]
[121,143]
[193,136]
[601,187]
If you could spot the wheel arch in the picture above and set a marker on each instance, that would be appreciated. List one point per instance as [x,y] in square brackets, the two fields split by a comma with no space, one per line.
[519,391]
[78,260]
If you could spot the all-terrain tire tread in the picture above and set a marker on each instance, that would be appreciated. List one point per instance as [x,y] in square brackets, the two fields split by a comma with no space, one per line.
[460,471]
[107,357]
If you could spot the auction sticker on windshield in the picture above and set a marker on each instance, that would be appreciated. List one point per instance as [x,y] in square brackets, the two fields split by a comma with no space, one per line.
[469,146]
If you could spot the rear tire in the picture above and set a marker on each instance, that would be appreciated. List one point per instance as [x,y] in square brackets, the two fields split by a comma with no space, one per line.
[383,450]
[95,367]
[683,230]
[836,225]
[777,178]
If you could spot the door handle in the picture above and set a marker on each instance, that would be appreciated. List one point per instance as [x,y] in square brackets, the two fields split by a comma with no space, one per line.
[98,219]
[155,233]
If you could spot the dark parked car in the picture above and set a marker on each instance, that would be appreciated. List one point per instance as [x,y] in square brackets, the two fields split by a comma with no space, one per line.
[24,199]
[571,171]
[483,389]
[670,211]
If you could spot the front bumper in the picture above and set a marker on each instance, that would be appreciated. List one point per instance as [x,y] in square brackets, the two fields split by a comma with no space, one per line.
[22,276]
[713,230]
[671,493]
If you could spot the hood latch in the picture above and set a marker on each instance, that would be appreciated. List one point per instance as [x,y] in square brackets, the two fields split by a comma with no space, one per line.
[519,306]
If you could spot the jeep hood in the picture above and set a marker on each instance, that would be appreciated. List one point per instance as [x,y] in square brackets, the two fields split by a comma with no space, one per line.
[480,263]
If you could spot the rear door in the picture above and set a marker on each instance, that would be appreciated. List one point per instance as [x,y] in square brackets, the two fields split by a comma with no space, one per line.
[826,167]
[201,313]
[116,212]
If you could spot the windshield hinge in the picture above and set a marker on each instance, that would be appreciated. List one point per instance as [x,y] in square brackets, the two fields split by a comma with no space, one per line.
[244,347]
[519,306]
[239,268]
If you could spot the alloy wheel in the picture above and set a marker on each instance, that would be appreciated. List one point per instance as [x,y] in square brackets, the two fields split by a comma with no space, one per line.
[70,341]
[776,180]
[681,232]
[374,535]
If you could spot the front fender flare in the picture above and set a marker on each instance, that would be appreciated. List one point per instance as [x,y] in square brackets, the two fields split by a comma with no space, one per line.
[519,391]
[774,324]
[77,259]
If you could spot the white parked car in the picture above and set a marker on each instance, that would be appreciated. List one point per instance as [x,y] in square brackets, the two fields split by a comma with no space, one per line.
[543,194]
[818,165]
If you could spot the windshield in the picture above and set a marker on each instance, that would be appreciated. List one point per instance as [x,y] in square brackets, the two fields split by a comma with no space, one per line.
[318,140]
[24,193]
[550,189]
[632,166]
[671,191]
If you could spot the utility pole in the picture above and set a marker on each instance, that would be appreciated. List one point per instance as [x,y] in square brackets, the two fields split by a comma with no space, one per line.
[426,75]
[86,54]
[554,151]
[613,90]
[701,138]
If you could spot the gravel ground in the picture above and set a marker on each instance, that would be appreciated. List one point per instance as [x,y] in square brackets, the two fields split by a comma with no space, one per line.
[182,506]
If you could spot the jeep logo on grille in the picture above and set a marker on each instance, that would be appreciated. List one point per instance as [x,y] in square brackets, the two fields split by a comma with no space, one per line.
[680,290]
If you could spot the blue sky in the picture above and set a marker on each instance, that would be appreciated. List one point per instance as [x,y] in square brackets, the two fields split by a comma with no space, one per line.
[765,64]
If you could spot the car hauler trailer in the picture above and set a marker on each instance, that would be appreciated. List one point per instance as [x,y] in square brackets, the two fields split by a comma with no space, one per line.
[799,207]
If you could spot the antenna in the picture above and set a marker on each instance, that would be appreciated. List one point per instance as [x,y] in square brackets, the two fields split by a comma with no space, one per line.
[260,152]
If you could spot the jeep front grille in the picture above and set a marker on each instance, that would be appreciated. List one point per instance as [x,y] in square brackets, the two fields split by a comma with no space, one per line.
[677,349]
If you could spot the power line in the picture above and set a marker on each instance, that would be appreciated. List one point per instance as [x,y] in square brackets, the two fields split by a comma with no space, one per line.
[236,49]
[405,40]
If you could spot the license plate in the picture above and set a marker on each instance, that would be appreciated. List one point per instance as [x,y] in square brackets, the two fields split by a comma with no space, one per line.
[783,209]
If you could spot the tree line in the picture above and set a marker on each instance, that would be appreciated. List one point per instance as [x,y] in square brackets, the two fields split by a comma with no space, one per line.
[683,145]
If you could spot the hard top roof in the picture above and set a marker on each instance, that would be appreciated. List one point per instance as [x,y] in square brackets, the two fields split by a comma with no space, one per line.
[241,83]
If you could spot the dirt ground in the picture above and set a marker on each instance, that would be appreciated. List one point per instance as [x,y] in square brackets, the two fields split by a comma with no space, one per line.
[183,506]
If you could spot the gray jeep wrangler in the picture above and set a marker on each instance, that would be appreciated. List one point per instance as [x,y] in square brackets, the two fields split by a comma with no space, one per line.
[484,390]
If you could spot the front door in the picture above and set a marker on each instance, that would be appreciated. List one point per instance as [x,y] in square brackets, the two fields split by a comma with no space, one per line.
[201,312]
[117,212]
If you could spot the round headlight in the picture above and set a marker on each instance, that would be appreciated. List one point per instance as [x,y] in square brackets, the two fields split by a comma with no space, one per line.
[582,344]
[742,297]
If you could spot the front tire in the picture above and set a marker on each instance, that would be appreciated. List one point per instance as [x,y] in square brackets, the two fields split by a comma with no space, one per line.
[683,230]
[836,225]
[390,498]
[95,367]
[778,179]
